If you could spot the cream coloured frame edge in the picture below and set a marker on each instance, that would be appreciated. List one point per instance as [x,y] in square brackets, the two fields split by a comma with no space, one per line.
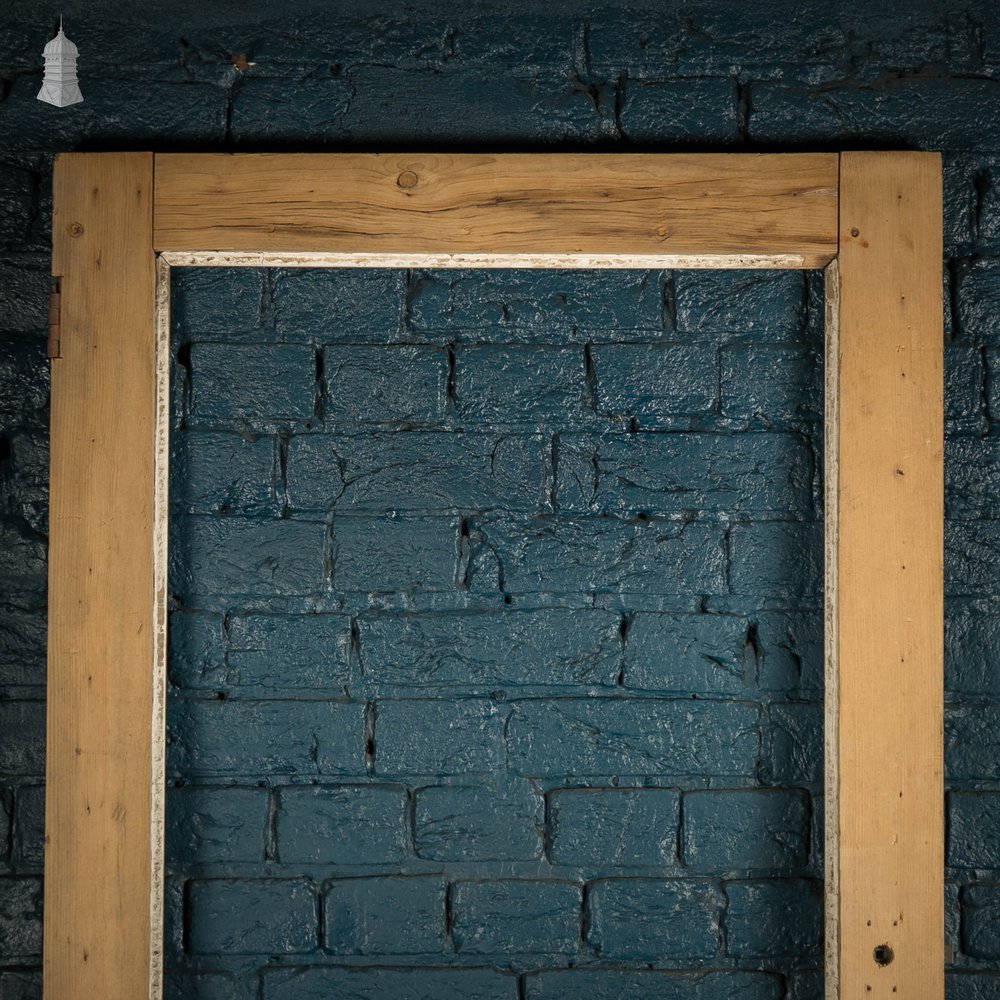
[121,221]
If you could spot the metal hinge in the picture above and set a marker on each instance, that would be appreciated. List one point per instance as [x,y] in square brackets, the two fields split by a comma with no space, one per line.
[55,328]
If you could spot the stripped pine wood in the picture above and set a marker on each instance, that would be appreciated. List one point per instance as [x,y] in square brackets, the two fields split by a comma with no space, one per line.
[104,856]
[505,207]
[889,604]
[100,645]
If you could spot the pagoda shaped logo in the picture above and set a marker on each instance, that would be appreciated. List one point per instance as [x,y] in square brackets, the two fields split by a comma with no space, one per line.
[60,86]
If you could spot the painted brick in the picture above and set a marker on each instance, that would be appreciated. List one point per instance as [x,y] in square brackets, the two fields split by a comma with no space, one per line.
[24,373]
[745,829]
[961,200]
[337,305]
[619,827]
[777,562]
[666,918]
[222,473]
[261,110]
[533,305]
[258,738]
[22,646]
[173,919]
[252,385]
[222,301]
[777,917]
[992,391]
[384,916]
[24,481]
[613,984]
[252,916]
[970,466]
[613,736]
[22,738]
[197,650]
[944,113]
[736,304]
[771,385]
[976,206]
[952,917]
[597,555]
[487,40]
[558,647]
[981,921]
[438,737]
[6,825]
[964,388]
[498,820]
[343,825]
[29,825]
[385,385]
[702,111]
[817,846]
[24,289]
[672,473]
[972,985]
[16,195]
[971,551]
[388,984]
[807,985]
[977,293]
[202,986]
[304,651]
[521,385]
[515,917]
[534,104]
[655,382]
[152,44]
[972,742]
[187,112]
[20,918]
[207,825]
[790,653]
[417,471]
[20,985]
[389,555]
[708,40]
[794,739]
[23,566]
[789,648]
[706,654]
[974,829]
[951,333]
[971,641]
[234,558]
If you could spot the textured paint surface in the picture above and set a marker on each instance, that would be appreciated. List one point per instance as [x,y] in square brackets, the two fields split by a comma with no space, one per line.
[503,579]
[500,645]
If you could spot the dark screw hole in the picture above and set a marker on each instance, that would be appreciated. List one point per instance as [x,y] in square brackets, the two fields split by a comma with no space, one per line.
[883,955]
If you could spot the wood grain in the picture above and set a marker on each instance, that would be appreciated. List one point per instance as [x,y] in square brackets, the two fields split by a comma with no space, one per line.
[889,603]
[513,209]
[884,508]
[100,645]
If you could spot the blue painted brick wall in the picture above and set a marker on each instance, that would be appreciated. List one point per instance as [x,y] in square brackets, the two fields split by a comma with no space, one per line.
[486,641]
[496,646]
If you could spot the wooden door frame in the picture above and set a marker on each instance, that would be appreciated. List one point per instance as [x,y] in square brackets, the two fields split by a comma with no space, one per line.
[121,221]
